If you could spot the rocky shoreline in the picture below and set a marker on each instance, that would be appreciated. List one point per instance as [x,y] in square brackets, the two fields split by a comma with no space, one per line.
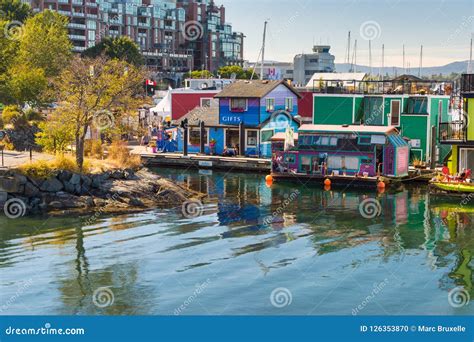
[115,191]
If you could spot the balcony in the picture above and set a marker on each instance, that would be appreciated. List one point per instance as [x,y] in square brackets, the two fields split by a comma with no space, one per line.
[467,83]
[78,26]
[77,37]
[78,14]
[452,132]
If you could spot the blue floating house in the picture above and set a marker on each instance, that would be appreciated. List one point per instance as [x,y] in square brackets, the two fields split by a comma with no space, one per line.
[249,114]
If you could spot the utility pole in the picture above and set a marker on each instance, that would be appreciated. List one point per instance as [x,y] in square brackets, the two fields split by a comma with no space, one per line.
[263,48]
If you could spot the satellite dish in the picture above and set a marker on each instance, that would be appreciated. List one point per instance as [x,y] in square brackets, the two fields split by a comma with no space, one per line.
[233,76]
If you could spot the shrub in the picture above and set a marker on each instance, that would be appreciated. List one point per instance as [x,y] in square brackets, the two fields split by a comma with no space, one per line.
[93,148]
[11,114]
[119,153]
[32,115]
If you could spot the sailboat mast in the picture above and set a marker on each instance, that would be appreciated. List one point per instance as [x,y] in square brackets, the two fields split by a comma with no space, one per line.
[404,62]
[383,61]
[469,66]
[263,48]
[421,61]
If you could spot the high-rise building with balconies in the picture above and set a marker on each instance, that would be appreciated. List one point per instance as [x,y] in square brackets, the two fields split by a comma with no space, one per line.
[159,27]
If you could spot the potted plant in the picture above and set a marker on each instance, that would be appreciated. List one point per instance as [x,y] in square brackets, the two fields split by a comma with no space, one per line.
[212,145]
[153,147]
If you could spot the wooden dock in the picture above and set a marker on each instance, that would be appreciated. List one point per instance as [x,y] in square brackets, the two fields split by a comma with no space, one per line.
[197,161]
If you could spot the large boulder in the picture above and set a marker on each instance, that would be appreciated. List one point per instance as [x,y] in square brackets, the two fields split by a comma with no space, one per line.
[52,185]
[75,179]
[9,185]
[31,190]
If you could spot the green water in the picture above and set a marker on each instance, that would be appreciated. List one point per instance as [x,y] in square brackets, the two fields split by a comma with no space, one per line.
[286,249]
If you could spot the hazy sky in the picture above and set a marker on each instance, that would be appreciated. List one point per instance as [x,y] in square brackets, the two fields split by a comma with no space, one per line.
[444,27]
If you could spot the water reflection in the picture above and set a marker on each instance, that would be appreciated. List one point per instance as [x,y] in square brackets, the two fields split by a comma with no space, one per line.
[270,235]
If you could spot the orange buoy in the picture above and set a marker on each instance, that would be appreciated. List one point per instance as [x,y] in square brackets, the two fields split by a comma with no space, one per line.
[269,178]
[381,185]
[327,188]
[327,182]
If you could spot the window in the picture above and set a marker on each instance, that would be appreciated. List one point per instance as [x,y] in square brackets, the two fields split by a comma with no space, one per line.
[238,105]
[364,140]
[324,141]
[195,136]
[270,105]
[373,110]
[252,137]
[206,102]
[289,104]
[313,60]
[417,105]
[267,135]
[333,142]
[290,158]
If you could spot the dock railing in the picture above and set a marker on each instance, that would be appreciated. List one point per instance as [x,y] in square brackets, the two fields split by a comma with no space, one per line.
[386,87]
[452,131]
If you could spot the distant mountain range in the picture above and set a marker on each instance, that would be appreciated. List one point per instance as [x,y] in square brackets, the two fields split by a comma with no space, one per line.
[456,67]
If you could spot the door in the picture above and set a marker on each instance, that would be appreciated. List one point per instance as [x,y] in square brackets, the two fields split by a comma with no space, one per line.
[466,161]
[395,112]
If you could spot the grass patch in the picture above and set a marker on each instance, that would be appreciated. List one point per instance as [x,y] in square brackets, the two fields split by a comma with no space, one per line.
[43,169]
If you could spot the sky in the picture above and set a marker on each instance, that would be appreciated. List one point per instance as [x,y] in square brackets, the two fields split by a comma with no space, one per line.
[443,27]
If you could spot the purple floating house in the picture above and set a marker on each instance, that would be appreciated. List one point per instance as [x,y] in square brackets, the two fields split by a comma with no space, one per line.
[348,150]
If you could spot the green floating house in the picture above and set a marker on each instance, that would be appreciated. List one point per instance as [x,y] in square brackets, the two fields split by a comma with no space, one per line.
[458,131]
[412,105]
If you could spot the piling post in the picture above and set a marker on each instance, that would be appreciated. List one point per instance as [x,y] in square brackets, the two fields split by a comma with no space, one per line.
[241,139]
[202,132]
[434,138]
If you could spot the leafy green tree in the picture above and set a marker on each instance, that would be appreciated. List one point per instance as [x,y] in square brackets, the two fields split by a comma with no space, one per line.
[44,43]
[122,48]
[14,10]
[198,74]
[57,133]
[92,93]
[237,71]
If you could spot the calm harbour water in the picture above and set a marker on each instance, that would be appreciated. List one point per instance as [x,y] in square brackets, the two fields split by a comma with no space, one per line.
[254,250]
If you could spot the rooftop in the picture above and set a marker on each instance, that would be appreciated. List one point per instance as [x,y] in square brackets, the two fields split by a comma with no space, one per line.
[387,130]
[254,88]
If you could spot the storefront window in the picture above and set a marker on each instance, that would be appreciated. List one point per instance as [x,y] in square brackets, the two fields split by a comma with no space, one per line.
[252,138]
[195,137]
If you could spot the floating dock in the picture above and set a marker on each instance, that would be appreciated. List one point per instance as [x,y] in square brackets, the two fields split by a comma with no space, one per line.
[197,161]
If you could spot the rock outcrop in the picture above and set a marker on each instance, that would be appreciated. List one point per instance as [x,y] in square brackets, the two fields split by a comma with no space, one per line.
[113,191]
